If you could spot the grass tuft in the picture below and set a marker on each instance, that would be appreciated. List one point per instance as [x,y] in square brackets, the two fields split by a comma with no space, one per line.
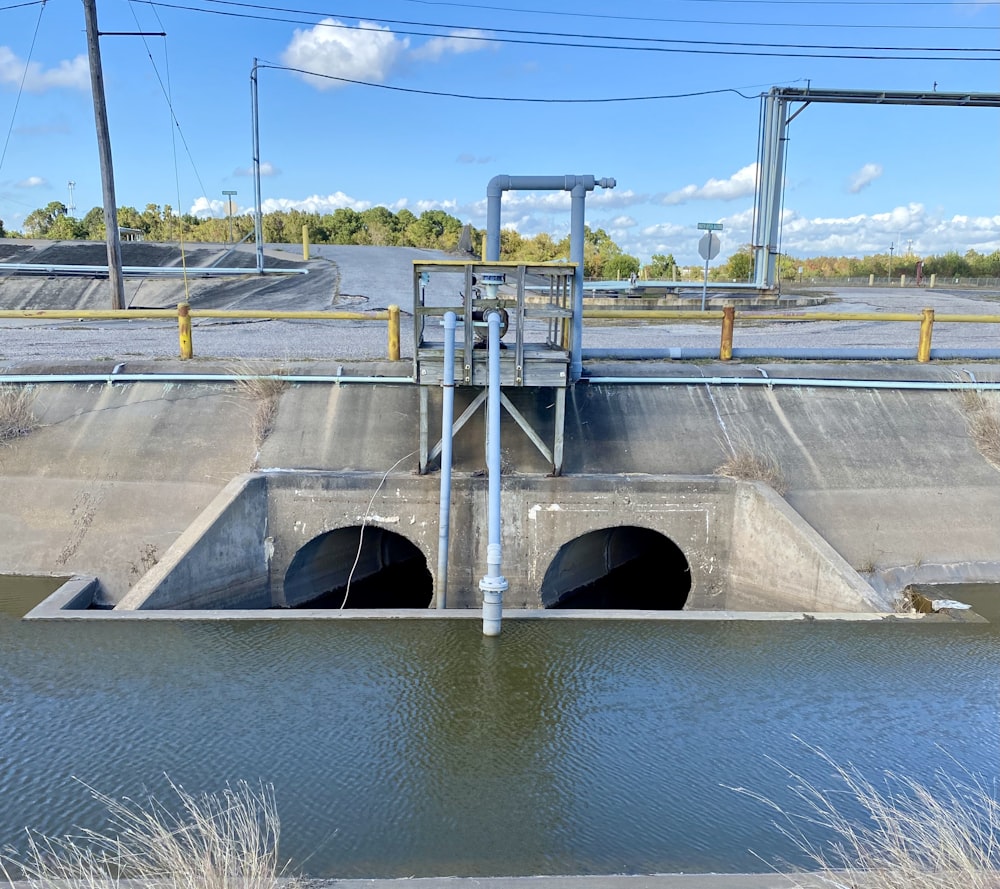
[982,417]
[264,387]
[17,414]
[898,834]
[220,841]
[746,464]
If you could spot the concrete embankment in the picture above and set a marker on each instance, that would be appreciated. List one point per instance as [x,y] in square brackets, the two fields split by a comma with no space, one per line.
[890,478]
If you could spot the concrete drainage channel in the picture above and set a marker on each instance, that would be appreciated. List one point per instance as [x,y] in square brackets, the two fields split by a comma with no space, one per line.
[321,545]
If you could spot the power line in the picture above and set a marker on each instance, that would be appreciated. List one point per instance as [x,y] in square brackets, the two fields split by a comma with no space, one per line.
[405,89]
[760,24]
[677,46]
[484,32]
[22,5]
[20,86]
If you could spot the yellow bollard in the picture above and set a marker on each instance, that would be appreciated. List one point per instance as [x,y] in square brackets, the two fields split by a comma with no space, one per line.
[926,328]
[184,329]
[394,333]
[305,241]
[728,319]
[482,252]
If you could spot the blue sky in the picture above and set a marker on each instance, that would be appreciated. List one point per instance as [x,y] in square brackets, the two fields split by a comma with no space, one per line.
[859,178]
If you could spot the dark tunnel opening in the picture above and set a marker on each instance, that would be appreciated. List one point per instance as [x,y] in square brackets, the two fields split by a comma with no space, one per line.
[624,568]
[359,568]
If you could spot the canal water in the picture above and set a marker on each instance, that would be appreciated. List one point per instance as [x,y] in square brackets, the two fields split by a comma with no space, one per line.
[415,748]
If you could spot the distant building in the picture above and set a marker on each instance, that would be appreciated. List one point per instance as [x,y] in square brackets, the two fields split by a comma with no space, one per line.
[131,234]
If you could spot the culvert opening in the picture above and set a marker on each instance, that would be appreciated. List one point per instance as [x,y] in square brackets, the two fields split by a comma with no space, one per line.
[390,571]
[625,567]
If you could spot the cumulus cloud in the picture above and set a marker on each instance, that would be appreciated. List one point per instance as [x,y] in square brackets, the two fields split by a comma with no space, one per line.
[32,182]
[741,184]
[466,158]
[864,177]
[321,204]
[911,226]
[266,169]
[366,52]
[68,74]
[458,42]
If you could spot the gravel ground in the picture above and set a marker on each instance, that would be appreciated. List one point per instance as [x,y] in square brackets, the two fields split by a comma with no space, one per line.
[375,277]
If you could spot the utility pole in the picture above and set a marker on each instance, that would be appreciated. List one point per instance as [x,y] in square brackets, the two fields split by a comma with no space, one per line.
[104,151]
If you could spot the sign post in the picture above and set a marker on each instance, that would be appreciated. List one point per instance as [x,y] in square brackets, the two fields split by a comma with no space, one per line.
[708,248]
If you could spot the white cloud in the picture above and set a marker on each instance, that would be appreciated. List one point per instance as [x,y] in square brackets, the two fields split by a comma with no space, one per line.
[864,177]
[741,184]
[69,73]
[316,203]
[367,52]
[266,169]
[32,182]
[467,158]
[458,42]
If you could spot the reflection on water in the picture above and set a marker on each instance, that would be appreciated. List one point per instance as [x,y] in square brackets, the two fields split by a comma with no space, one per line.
[401,748]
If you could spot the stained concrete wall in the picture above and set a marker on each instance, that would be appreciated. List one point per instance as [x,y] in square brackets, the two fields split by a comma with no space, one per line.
[221,559]
[746,549]
[889,479]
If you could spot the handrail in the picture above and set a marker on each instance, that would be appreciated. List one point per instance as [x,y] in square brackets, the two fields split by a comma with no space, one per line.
[926,319]
[184,313]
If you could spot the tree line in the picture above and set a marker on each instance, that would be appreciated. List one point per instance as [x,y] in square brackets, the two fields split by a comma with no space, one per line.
[438,230]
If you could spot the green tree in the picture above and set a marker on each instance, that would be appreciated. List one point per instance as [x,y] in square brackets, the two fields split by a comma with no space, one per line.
[66,228]
[739,266]
[620,266]
[661,267]
[93,224]
[38,222]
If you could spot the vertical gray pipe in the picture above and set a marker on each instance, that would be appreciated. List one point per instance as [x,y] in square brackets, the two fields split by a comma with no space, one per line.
[576,253]
[578,186]
[447,421]
[494,584]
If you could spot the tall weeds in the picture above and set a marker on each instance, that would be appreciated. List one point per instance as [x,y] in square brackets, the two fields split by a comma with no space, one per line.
[902,834]
[17,415]
[982,417]
[214,841]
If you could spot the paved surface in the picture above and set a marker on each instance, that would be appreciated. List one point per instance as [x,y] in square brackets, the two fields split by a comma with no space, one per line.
[351,277]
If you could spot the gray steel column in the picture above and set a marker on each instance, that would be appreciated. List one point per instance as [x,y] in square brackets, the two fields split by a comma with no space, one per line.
[258,222]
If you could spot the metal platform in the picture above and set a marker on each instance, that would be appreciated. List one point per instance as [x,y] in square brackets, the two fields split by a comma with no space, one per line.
[535,342]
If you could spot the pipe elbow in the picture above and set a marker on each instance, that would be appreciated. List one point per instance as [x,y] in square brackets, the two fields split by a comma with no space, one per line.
[497,186]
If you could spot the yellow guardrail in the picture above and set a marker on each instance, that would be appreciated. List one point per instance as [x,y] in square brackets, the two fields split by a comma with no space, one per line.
[184,313]
[926,318]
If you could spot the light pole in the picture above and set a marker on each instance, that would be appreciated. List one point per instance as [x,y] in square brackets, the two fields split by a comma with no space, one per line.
[892,246]
[229,212]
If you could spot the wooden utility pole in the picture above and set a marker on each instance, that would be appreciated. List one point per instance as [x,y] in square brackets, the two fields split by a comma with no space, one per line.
[104,151]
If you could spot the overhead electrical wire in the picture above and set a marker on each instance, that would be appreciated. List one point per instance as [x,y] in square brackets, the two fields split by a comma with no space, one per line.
[406,89]
[675,21]
[458,32]
[20,86]
[690,47]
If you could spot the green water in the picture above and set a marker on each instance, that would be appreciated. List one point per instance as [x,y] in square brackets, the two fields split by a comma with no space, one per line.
[401,748]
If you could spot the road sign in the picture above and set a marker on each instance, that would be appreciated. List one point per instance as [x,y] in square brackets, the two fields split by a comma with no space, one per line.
[709,246]
[710,226]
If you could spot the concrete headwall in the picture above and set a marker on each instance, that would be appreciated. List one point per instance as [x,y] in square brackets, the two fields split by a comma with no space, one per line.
[745,548]
[890,480]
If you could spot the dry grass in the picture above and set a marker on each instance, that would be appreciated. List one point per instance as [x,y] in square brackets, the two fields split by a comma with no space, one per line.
[982,417]
[904,835]
[747,464]
[263,385]
[17,414]
[221,841]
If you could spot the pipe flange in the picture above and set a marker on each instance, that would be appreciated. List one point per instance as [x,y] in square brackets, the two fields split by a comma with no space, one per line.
[493,584]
